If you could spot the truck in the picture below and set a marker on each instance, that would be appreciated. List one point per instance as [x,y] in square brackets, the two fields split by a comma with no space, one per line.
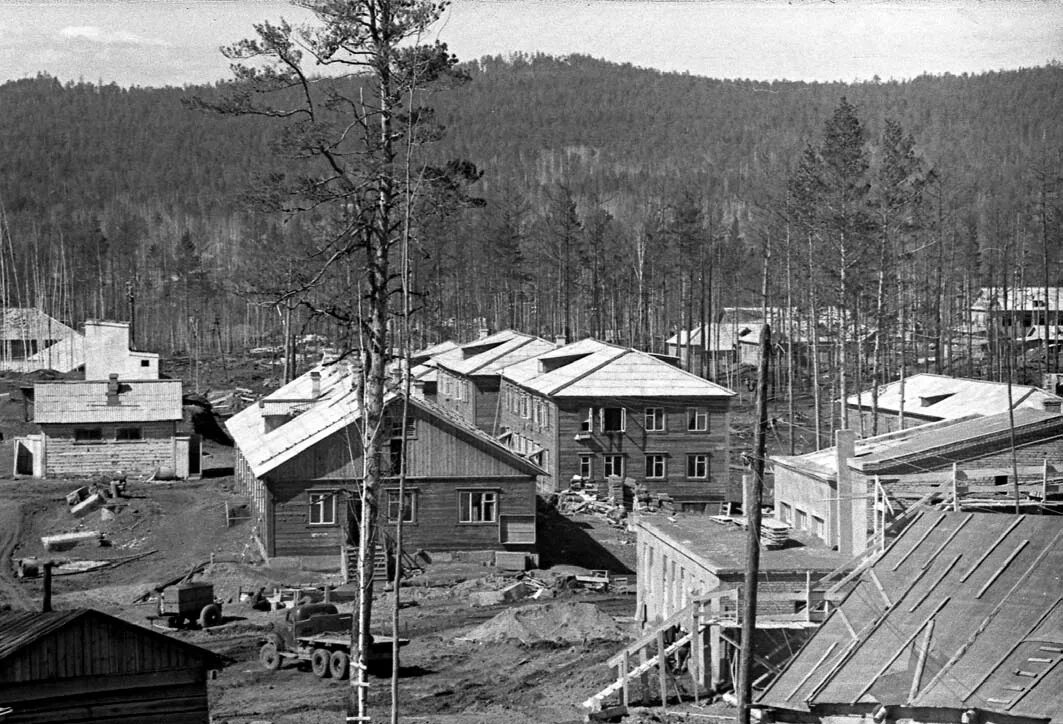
[319,634]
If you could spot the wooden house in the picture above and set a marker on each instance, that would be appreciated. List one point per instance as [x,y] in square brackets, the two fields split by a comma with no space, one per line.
[960,619]
[835,494]
[97,427]
[301,462]
[424,368]
[468,384]
[930,398]
[84,666]
[591,410]
[32,340]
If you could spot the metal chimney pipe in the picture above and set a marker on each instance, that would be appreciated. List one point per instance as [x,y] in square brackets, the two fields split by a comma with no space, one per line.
[46,604]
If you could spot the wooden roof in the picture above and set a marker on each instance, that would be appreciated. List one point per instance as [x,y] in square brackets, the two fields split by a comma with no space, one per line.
[593,369]
[20,629]
[30,323]
[490,361]
[86,401]
[315,419]
[963,610]
[939,397]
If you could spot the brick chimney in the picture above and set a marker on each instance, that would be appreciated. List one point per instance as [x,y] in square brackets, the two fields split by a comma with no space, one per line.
[315,384]
[112,389]
[1051,405]
[852,499]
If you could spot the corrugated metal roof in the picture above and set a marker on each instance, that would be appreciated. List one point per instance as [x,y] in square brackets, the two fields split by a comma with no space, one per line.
[336,408]
[599,369]
[980,593]
[86,401]
[26,323]
[948,398]
[892,447]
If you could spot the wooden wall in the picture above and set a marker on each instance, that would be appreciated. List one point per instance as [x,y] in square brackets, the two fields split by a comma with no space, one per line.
[675,442]
[436,526]
[442,457]
[66,458]
[95,669]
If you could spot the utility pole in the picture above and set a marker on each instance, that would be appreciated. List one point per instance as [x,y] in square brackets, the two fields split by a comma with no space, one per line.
[755,497]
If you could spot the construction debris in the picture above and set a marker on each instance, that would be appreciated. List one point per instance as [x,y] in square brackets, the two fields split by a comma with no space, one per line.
[566,622]
[66,541]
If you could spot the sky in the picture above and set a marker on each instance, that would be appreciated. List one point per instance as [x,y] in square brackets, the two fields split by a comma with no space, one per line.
[176,42]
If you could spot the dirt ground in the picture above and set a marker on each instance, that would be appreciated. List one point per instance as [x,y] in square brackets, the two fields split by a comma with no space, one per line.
[161,530]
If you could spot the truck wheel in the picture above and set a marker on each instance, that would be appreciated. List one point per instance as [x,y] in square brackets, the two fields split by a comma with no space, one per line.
[319,663]
[270,656]
[339,664]
[210,615]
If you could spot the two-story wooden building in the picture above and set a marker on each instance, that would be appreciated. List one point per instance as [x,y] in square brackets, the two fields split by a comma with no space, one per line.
[468,383]
[300,458]
[592,410]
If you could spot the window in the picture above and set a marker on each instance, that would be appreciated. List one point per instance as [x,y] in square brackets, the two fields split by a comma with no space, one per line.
[396,427]
[786,512]
[654,419]
[655,466]
[614,465]
[535,412]
[409,512]
[801,520]
[544,416]
[127,433]
[524,411]
[697,419]
[698,466]
[87,434]
[477,506]
[586,466]
[145,363]
[613,419]
[465,390]
[587,423]
[819,529]
[322,509]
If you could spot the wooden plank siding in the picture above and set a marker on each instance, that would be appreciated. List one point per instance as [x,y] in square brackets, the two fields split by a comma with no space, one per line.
[98,669]
[442,459]
[563,423]
[64,456]
[473,398]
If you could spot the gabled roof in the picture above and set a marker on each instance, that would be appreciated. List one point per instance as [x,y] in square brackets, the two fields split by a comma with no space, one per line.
[19,629]
[77,401]
[30,323]
[963,610]
[516,348]
[423,355]
[598,369]
[721,336]
[938,397]
[336,407]
[977,434]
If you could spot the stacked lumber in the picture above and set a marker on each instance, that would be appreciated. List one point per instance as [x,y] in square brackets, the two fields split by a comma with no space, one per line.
[773,533]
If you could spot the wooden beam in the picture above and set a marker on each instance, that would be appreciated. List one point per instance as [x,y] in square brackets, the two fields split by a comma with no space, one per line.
[907,642]
[808,674]
[1000,539]
[662,668]
[933,586]
[920,663]
[878,584]
[1002,568]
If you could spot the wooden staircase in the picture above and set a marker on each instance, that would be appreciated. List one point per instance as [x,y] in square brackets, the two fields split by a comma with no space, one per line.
[349,564]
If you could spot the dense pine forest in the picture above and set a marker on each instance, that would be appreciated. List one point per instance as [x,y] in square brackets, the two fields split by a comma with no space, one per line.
[575,197]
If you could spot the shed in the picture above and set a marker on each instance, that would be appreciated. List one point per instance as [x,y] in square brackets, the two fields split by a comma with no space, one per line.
[84,666]
[960,619]
[98,426]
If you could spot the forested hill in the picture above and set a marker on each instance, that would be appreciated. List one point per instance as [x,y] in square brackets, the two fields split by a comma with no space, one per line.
[102,185]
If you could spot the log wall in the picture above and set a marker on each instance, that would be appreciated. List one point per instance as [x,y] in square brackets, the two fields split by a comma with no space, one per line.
[65,457]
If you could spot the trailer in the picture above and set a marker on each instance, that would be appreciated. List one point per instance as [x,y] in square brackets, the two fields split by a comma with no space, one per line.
[316,633]
[191,603]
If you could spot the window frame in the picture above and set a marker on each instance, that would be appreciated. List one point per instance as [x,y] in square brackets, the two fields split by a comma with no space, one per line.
[694,414]
[484,494]
[656,459]
[88,435]
[587,423]
[589,460]
[654,419]
[623,419]
[321,497]
[608,461]
[128,434]
[391,505]
[692,466]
